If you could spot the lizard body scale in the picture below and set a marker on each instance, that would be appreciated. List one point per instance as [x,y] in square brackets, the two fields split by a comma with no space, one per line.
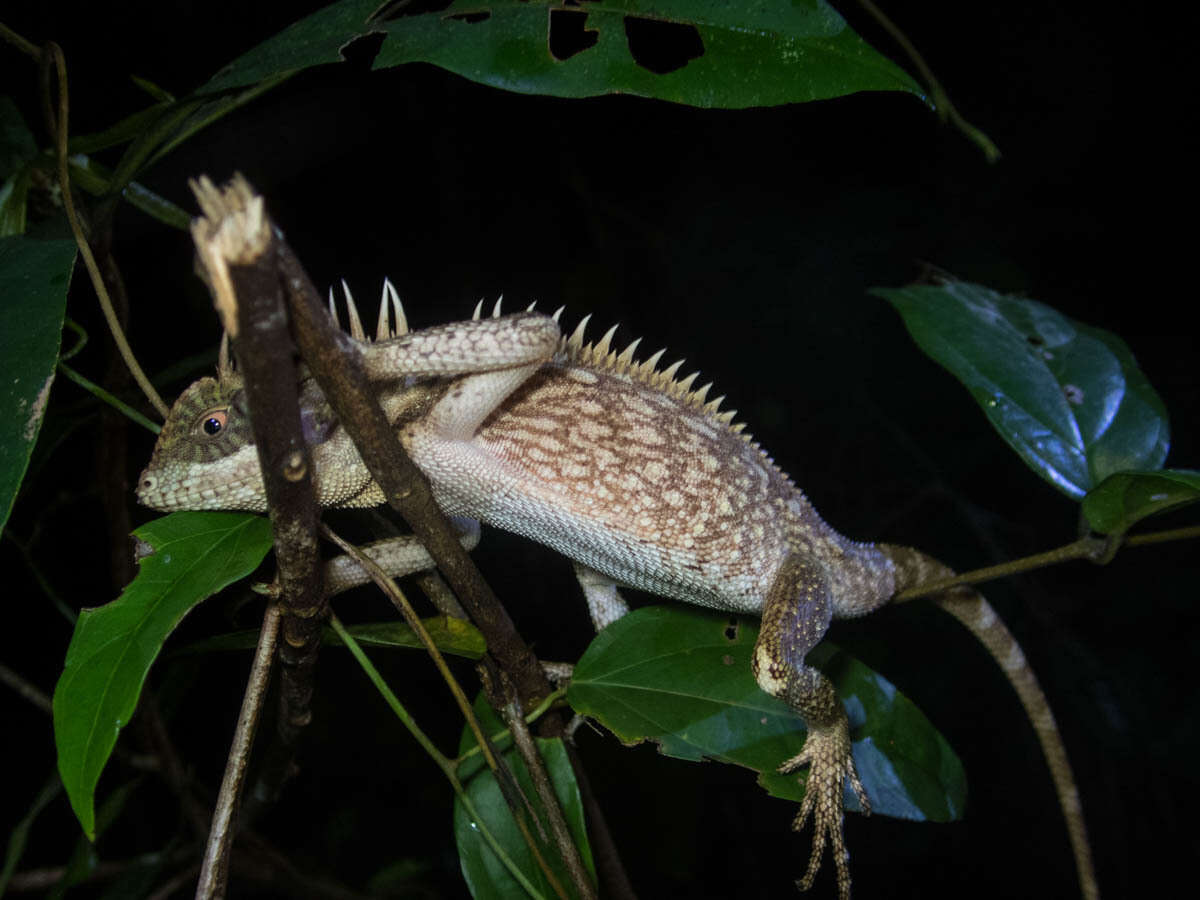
[635,476]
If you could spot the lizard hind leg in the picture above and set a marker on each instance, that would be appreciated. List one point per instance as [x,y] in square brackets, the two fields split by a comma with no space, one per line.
[796,614]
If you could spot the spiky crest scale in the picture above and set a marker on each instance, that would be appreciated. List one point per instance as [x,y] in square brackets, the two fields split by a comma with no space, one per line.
[600,356]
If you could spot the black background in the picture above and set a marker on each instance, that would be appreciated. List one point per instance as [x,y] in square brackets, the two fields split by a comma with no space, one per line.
[745,240]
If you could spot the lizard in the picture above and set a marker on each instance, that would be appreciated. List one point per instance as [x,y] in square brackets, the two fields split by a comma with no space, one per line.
[630,472]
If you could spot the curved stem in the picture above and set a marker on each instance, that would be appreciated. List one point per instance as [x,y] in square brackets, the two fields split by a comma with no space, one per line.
[85,251]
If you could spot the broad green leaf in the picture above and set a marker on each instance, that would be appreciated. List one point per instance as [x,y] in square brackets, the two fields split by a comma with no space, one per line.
[486,876]
[1124,499]
[752,54]
[749,54]
[196,554]
[682,678]
[1069,398]
[34,277]
[455,636]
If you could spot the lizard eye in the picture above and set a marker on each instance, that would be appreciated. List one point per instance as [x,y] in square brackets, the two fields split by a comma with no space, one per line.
[214,421]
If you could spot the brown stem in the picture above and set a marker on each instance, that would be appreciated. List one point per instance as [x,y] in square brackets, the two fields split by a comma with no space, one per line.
[215,870]
[234,242]
[514,717]
[331,356]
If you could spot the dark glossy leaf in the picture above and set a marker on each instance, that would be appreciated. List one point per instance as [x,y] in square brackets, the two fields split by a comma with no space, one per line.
[682,678]
[1069,398]
[1124,499]
[197,554]
[704,53]
[486,876]
[315,40]
[451,636]
[34,277]
[715,54]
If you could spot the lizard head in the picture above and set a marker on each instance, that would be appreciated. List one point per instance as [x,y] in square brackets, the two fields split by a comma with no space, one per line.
[206,458]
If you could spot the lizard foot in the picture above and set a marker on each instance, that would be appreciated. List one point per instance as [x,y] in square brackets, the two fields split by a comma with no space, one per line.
[827,753]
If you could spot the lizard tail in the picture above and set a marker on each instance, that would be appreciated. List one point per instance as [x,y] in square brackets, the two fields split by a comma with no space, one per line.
[970,608]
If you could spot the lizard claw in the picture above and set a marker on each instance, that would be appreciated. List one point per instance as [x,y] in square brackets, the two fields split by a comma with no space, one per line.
[827,753]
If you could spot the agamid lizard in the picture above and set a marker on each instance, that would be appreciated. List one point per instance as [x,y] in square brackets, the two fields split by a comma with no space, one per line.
[632,474]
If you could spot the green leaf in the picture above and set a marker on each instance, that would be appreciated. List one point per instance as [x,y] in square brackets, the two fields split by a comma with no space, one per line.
[753,54]
[749,54]
[34,277]
[315,40]
[97,179]
[486,876]
[682,678]
[196,554]
[1067,397]
[455,636]
[1124,499]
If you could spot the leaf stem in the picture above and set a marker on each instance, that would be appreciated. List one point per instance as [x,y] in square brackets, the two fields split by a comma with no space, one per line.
[1097,549]
[946,110]
[447,765]
[530,717]
[29,48]
[111,399]
[110,316]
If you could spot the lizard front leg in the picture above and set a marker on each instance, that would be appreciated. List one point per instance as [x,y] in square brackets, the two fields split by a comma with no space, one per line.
[796,613]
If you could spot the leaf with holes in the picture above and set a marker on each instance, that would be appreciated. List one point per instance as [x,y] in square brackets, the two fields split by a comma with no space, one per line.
[681,678]
[1124,499]
[196,554]
[1067,397]
[702,53]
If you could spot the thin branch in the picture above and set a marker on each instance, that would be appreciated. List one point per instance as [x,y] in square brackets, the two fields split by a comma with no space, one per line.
[85,251]
[567,849]
[444,763]
[29,48]
[215,869]
[509,789]
[385,584]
